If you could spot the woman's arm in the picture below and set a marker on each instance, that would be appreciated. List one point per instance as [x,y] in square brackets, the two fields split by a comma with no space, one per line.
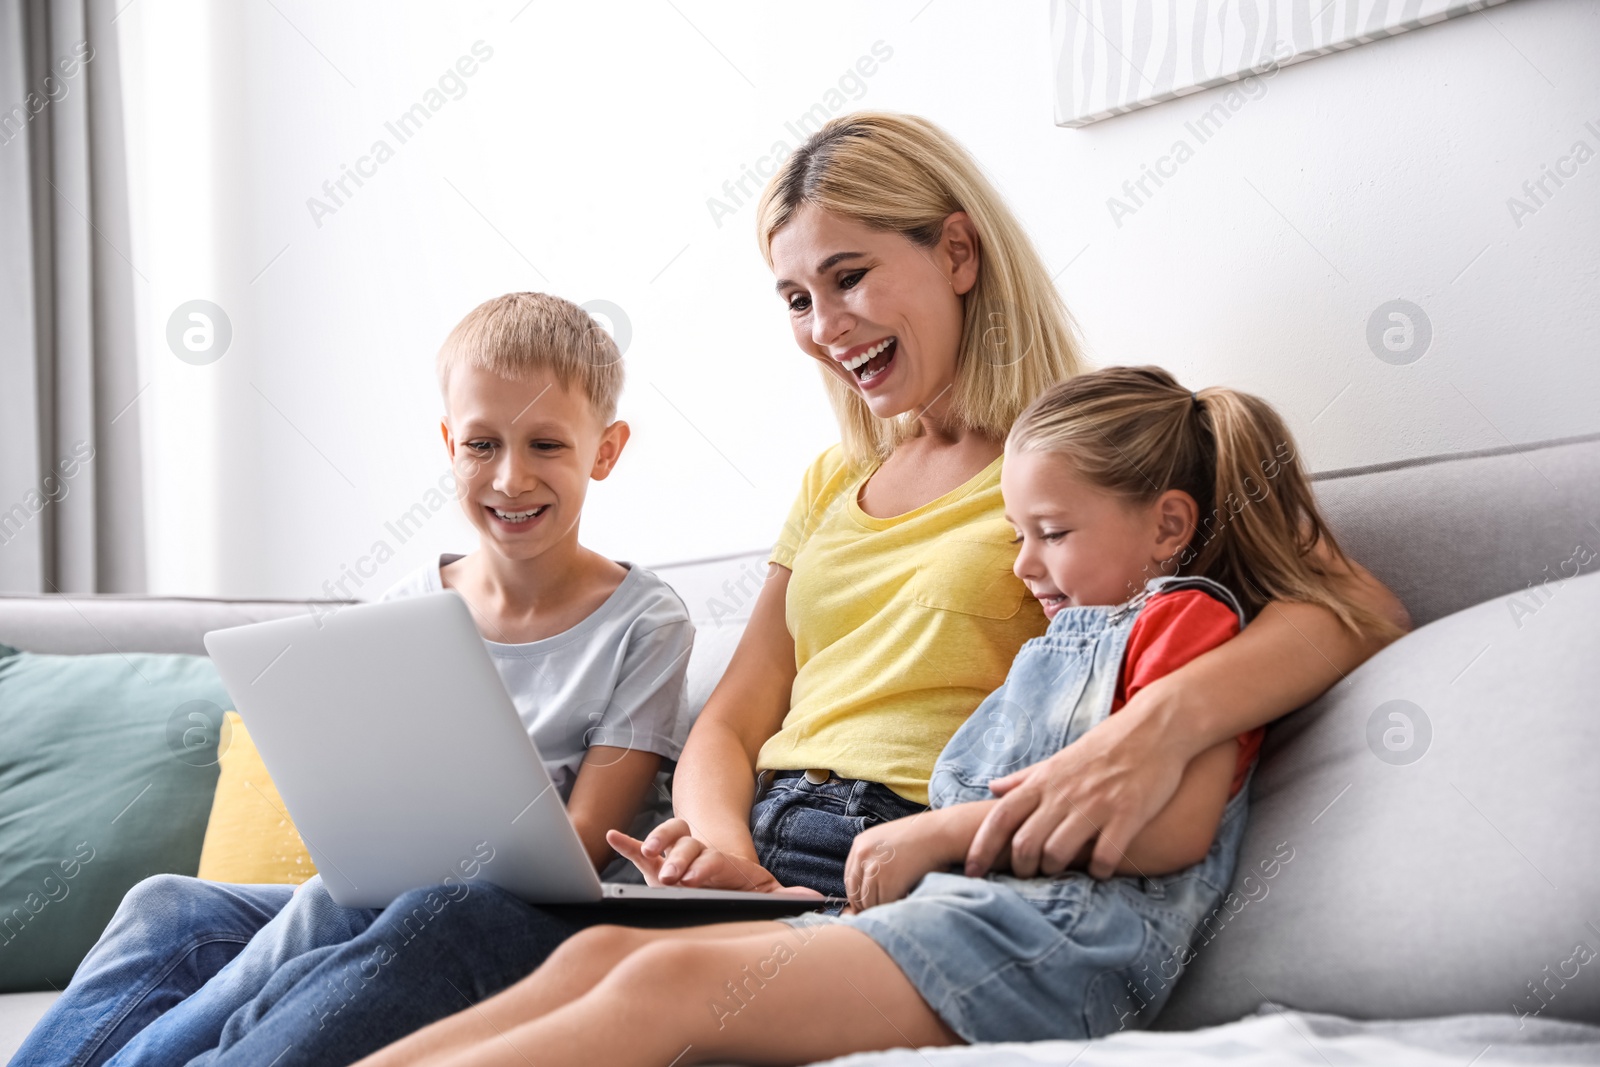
[1182,832]
[1287,657]
[714,786]
[1112,781]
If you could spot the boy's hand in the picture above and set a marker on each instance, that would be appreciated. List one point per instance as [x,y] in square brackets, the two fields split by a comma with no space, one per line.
[888,860]
[670,855]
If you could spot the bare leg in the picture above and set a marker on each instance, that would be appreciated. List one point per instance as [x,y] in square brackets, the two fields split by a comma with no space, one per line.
[774,996]
[571,971]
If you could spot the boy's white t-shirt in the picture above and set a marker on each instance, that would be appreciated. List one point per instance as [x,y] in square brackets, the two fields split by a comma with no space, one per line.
[618,678]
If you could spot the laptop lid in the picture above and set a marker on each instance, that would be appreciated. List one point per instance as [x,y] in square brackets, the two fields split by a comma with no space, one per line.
[398,753]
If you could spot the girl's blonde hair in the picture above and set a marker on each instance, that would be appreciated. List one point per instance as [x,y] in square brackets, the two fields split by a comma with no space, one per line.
[1135,432]
[905,175]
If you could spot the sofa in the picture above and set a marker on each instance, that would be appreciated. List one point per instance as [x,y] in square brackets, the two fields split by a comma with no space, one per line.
[1420,879]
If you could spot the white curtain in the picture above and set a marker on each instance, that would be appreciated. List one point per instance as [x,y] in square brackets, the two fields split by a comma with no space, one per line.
[71,517]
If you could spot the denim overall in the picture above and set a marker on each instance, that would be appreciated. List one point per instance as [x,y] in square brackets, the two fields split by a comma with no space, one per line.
[1002,958]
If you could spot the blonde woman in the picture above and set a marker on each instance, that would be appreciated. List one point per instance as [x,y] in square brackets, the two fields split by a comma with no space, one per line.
[895,603]
[890,611]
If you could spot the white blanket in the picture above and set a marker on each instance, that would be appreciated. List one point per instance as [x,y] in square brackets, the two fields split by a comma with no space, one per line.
[1276,1036]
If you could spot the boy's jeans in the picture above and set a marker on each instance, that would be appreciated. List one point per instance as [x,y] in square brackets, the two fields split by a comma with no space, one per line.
[178,958]
[282,999]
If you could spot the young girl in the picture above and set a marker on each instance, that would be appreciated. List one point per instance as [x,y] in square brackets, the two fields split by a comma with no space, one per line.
[1151,522]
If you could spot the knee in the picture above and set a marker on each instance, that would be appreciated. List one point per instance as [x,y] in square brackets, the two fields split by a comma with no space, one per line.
[167,910]
[606,938]
[598,943]
[159,888]
[312,901]
[661,973]
[161,897]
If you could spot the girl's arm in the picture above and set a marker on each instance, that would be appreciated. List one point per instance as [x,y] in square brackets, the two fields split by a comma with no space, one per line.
[1109,784]
[714,786]
[610,789]
[888,860]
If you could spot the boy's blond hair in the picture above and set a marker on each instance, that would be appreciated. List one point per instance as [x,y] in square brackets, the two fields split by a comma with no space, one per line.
[518,333]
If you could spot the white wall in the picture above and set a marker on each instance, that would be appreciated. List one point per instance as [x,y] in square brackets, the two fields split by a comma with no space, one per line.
[581,159]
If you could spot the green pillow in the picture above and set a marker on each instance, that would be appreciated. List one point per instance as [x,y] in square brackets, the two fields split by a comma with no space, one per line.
[107,768]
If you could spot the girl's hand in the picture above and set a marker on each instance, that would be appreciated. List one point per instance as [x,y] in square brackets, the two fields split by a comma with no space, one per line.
[1103,789]
[888,860]
[670,855]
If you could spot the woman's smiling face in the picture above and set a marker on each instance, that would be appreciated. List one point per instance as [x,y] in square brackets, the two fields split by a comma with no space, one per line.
[882,313]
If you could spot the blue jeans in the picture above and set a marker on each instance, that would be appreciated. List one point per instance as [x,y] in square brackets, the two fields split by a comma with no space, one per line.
[169,937]
[803,830]
[322,984]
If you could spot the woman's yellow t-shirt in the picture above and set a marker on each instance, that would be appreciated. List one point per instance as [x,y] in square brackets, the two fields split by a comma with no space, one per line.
[901,626]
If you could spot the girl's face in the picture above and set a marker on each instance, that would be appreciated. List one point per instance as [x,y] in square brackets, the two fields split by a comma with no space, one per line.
[1079,545]
[882,313]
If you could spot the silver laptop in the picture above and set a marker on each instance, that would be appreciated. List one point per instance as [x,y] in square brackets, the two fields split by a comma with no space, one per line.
[403,763]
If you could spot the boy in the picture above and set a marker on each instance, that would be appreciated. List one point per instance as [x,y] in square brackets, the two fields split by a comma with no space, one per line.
[593,652]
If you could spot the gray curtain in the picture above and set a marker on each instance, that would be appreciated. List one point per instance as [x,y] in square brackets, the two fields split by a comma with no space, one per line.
[71,518]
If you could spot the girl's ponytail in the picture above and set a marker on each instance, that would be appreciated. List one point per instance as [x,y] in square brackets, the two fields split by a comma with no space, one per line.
[1261,536]
[1135,431]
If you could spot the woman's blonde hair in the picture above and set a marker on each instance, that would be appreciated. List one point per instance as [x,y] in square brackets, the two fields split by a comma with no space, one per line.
[905,175]
[1135,432]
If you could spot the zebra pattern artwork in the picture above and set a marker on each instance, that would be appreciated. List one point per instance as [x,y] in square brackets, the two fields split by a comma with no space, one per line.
[1113,56]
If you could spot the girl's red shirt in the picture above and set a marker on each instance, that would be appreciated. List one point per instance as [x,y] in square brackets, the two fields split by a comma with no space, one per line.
[1173,629]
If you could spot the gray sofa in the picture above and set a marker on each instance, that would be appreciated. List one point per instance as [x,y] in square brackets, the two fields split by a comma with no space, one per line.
[1409,887]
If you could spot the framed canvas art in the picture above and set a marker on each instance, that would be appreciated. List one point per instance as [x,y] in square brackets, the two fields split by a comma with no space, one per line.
[1113,56]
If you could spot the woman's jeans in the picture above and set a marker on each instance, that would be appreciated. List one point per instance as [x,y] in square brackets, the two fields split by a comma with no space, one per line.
[214,975]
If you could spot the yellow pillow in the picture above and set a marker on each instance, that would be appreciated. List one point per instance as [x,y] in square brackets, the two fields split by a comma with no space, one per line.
[249,837]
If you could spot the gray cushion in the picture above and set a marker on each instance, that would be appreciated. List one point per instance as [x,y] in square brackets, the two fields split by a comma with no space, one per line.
[70,625]
[1447,532]
[1432,873]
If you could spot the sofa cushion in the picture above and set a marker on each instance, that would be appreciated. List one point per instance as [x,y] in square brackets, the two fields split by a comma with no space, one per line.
[1422,838]
[119,622]
[107,769]
[1447,532]
[250,838]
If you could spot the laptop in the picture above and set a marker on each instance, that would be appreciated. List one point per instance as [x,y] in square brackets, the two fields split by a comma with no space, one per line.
[403,763]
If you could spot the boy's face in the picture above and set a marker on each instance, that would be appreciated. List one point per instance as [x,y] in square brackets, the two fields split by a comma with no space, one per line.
[523,454]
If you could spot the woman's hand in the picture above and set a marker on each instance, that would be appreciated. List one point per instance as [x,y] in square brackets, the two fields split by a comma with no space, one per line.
[1103,788]
[670,855]
[1106,786]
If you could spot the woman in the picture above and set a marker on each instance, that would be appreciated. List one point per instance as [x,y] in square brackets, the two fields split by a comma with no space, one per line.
[890,610]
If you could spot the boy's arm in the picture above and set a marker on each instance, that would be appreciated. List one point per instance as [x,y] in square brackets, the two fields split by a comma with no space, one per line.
[611,788]
[643,723]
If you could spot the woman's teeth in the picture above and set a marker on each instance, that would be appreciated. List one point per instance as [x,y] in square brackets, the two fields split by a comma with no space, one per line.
[882,348]
[518,516]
